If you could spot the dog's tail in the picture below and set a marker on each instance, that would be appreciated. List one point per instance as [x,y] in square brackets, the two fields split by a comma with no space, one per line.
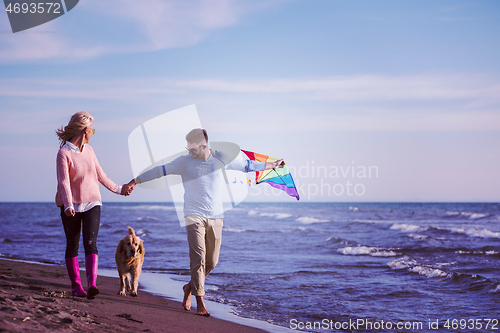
[131,231]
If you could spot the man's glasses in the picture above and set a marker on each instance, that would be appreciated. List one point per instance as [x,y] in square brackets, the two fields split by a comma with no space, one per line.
[193,150]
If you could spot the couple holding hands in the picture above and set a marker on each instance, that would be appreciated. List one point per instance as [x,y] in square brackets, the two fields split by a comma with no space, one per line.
[78,196]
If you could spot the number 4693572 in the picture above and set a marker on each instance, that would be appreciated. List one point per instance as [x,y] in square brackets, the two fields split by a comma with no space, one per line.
[40,7]
[491,324]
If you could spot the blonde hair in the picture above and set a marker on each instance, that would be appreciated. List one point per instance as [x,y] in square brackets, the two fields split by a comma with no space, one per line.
[78,123]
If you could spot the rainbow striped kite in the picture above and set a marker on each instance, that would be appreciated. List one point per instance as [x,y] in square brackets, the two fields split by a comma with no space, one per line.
[279,178]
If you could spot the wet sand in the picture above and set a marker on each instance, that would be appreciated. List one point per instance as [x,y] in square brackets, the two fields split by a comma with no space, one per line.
[37,298]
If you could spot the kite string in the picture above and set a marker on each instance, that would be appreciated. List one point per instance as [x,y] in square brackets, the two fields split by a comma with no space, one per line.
[280,177]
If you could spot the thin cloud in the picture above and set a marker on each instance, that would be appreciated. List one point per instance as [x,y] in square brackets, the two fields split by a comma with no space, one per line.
[368,87]
[342,88]
[349,103]
[124,26]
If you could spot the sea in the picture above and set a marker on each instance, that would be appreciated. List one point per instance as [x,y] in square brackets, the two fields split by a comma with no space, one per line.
[316,267]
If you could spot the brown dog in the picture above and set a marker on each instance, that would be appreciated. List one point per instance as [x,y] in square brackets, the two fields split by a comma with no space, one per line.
[129,258]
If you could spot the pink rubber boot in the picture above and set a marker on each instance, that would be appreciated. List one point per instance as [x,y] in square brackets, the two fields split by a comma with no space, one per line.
[74,275]
[91,269]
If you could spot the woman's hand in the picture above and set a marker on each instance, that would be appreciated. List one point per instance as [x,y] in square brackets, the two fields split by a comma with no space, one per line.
[69,212]
[128,188]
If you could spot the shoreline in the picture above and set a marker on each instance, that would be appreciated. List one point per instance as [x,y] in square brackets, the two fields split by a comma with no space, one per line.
[37,297]
[162,285]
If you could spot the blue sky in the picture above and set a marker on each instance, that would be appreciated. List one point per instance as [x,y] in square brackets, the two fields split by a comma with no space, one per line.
[411,89]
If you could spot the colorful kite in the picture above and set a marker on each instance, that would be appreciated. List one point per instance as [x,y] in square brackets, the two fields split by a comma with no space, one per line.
[279,178]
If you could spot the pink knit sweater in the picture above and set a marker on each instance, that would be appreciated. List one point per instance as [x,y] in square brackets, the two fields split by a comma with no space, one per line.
[78,174]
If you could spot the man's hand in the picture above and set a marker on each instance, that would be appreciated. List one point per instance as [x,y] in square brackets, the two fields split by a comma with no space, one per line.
[275,164]
[279,163]
[131,186]
[126,190]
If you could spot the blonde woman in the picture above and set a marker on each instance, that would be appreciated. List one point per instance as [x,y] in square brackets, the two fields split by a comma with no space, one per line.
[78,196]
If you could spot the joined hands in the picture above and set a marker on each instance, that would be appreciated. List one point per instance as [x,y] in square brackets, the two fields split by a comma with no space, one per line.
[128,188]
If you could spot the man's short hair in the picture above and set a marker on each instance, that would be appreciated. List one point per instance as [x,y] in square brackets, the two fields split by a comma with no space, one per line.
[197,135]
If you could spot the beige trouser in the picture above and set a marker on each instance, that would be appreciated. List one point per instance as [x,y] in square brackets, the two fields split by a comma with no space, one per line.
[204,238]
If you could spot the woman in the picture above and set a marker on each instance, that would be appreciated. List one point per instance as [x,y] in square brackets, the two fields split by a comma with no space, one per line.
[78,178]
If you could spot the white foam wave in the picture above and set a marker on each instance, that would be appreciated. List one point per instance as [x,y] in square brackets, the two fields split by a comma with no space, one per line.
[417,236]
[148,207]
[365,250]
[452,214]
[472,216]
[428,271]
[147,218]
[413,266]
[229,229]
[442,264]
[402,263]
[476,216]
[310,219]
[141,233]
[495,290]
[407,227]
[475,232]
[277,215]
[488,253]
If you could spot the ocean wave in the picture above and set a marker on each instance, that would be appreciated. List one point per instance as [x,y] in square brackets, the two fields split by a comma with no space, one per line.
[275,215]
[430,272]
[417,236]
[144,207]
[495,290]
[475,232]
[334,240]
[471,216]
[147,219]
[366,250]
[141,233]
[310,219]
[479,252]
[471,232]
[413,266]
[240,230]
[472,282]
[8,240]
[229,229]
[410,228]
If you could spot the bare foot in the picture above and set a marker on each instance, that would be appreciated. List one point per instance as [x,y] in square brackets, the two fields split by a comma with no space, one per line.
[186,303]
[200,307]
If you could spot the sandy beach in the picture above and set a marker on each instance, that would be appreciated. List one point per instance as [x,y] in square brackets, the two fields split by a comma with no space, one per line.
[37,298]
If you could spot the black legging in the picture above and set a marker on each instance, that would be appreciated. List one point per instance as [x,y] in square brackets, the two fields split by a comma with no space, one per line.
[72,226]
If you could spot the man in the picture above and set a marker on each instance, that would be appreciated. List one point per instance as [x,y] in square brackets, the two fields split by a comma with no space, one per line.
[203,180]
